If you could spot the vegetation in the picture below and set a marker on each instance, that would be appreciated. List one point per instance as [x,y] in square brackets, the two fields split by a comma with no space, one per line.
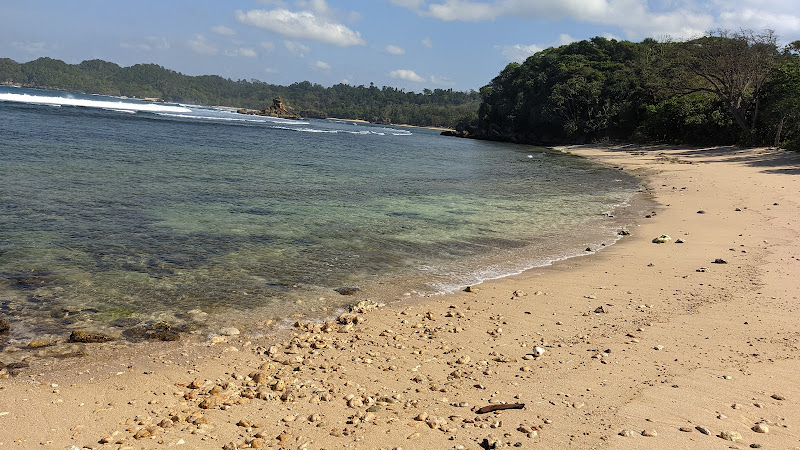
[439,107]
[722,88]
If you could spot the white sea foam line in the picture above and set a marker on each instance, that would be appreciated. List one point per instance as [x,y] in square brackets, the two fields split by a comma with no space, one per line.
[129,106]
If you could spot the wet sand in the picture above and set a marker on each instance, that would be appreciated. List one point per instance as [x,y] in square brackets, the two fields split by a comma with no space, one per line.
[641,345]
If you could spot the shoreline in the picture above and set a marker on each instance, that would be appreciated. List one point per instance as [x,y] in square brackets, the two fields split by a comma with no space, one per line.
[635,338]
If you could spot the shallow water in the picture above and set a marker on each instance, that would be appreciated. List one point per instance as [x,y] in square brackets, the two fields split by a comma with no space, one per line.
[117,212]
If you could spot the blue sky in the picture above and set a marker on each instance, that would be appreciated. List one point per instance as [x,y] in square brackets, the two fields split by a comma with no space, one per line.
[409,44]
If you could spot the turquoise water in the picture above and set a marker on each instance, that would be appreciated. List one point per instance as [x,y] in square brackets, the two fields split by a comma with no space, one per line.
[116,212]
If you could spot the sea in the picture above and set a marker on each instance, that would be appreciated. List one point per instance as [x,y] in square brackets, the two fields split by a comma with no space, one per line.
[117,213]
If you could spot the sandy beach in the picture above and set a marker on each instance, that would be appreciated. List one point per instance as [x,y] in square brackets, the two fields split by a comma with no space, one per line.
[690,343]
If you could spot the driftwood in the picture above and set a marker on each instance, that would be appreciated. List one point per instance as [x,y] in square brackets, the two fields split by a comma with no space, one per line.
[490,408]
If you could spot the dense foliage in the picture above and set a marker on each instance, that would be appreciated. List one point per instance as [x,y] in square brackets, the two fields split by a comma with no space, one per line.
[723,88]
[439,107]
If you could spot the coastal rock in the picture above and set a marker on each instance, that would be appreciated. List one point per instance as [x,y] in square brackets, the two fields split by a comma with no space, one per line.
[347,290]
[278,109]
[229,331]
[88,338]
[731,436]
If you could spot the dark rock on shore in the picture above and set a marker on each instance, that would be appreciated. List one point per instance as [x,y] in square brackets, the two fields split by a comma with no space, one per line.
[88,338]
[348,290]
[160,331]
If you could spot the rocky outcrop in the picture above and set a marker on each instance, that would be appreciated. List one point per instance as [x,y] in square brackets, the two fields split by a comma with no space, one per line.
[276,110]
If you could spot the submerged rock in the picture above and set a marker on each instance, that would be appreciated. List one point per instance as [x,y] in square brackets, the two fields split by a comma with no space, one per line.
[347,290]
[88,338]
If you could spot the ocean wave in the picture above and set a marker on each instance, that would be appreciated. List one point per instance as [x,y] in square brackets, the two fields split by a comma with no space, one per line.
[64,101]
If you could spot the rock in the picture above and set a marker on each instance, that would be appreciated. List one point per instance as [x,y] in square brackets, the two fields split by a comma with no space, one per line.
[538,351]
[720,261]
[210,402]
[680,241]
[761,428]
[624,232]
[778,397]
[686,429]
[599,310]
[229,331]
[649,433]
[88,338]
[347,290]
[256,443]
[703,430]
[4,326]
[733,436]
[470,289]
[464,360]
[701,212]
[663,239]
[627,433]
[364,306]
[39,343]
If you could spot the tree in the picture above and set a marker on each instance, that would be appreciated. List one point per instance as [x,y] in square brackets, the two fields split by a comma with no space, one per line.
[734,67]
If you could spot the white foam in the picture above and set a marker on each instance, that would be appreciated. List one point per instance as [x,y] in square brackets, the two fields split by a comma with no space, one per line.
[64,101]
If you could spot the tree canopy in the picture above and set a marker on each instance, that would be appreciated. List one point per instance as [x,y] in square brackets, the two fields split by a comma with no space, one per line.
[722,88]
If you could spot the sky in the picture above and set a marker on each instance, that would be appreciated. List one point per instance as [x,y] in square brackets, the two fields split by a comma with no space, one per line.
[407,44]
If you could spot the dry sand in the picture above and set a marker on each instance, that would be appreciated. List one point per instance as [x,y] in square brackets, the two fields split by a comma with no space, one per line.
[645,345]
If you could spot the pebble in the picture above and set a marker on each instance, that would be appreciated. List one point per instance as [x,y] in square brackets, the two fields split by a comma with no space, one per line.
[686,429]
[229,331]
[778,397]
[703,430]
[627,433]
[761,428]
[731,435]
[649,433]
[464,359]
[538,351]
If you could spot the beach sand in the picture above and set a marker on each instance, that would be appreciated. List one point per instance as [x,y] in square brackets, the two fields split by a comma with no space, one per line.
[640,345]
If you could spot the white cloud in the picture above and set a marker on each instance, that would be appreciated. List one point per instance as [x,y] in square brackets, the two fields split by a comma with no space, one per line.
[200,45]
[222,30]
[636,17]
[521,52]
[406,75]
[270,70]
[427,42]
[245,52]
[302,25]
[395,50]
[322,65]
[297,48]
[442,81]
[268,46]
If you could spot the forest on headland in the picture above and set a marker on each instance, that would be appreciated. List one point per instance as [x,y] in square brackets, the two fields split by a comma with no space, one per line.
[431,108]
[722,88]
[719,89]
